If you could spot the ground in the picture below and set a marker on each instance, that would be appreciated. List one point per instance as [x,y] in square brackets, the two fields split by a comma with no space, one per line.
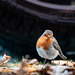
[34,67]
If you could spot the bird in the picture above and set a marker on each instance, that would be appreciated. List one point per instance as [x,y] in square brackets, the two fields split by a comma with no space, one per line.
[47,46]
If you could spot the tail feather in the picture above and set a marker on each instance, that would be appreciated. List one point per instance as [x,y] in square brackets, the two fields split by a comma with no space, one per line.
[63,57]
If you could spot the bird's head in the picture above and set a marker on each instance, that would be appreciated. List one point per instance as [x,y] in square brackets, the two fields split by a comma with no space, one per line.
[48,35]
[45,39]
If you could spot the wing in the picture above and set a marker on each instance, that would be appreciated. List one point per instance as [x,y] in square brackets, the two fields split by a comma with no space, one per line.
[57,47]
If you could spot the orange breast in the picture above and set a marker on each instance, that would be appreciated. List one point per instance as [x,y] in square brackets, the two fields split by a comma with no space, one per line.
[44,42]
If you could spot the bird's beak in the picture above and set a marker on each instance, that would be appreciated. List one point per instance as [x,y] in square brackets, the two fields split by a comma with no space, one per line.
[48,36]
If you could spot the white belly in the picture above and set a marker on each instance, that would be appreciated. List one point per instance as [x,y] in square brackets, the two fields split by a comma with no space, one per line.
[51,53]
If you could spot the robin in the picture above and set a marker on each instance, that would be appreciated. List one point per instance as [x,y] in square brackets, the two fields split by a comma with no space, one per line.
[48,47]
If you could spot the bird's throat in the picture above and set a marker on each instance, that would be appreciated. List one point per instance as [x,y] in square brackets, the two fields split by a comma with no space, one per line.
[43,42]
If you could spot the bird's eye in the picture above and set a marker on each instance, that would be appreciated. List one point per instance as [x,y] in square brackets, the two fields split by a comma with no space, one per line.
[44,34]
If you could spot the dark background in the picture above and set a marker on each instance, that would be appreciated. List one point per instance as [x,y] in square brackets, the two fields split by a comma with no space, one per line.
[20,28]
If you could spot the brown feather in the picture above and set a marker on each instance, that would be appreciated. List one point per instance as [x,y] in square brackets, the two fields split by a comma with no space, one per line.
[57,47]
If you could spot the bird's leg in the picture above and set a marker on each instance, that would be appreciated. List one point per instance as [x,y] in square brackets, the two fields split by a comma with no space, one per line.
[44,63]
[53,61]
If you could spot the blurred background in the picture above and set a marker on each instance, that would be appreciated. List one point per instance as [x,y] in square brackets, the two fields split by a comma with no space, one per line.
[23,21]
